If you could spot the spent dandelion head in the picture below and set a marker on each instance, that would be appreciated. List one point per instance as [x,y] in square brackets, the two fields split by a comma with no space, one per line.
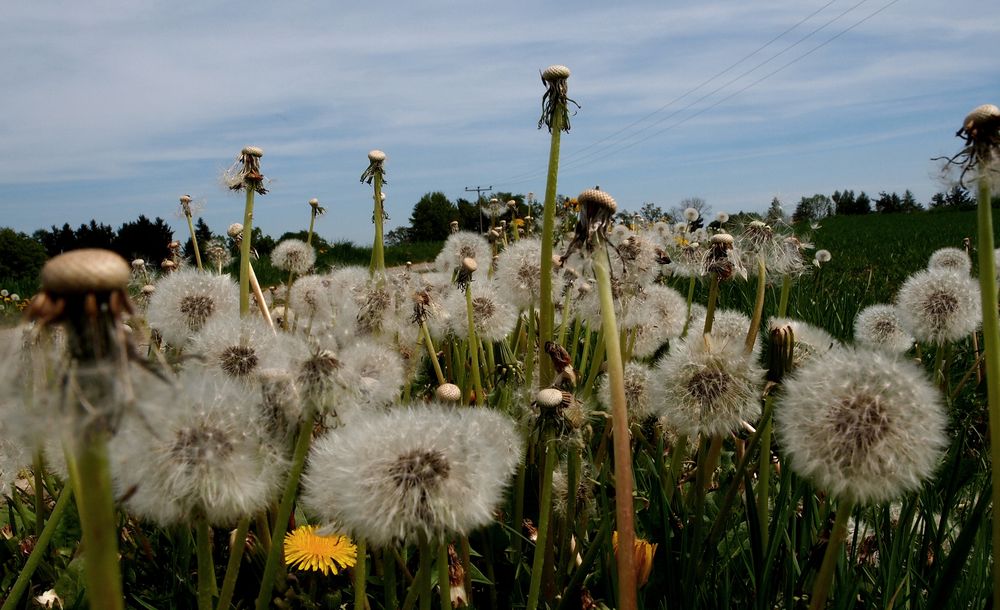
[415,471]
[722,258]
[822,257]
[556,99]
[376,165]
[307,549]
[316,208]
[981,133]
[862,424]
[245,172]
[597,213]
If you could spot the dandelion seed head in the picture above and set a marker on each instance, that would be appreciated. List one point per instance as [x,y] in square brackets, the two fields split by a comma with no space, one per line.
[729,328]
[657,317]
[519,272]
[310,296]
[862,424]
[185,301]
[950,259]
[294,256]
[638,401]
[459,246]
[493,316]
[199,451]
[423,470]
[939,306]
[701,390]
[878,327]
[691,214]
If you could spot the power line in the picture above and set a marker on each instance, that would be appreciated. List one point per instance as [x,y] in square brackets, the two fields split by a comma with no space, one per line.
[624,144]
[722,72]
[479,198]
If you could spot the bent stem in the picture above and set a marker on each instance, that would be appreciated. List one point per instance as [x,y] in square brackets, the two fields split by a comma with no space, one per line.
[38,552]
[95,502]
[194,243]
[547,313]
[991,343]
[274,556]
[824,580]
[624,509]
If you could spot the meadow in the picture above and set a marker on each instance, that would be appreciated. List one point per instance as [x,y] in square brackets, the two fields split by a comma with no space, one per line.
[563,413]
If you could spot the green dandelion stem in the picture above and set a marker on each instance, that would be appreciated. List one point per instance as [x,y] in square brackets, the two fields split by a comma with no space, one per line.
[426,567]
[274,556]
[38,552]
[786,291]
[573,467]
[624,508]
[429,344]
[529,348]
[206,566]
[758,306]
[477,382]
[565,319]
[991,344]
[466,557]
[233,566]
[518,518]
[600,348]
[245,254]
[361,575]
[38,466]
[444,583]
[194,243]
[547,314]
[544,514]
[690,300]
[91,472]
[677,452]
[377,265]
[312,223]
[389,578]
[764,473]
[713,298]
[824,580]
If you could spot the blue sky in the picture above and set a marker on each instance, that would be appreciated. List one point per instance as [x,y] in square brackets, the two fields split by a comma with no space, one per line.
[115,109]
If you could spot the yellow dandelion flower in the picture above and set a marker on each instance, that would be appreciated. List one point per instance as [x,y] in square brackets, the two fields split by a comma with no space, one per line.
[644,552]
[307,550]
[681,241]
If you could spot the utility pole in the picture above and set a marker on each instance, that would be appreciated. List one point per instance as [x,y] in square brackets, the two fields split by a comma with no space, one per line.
[479,201]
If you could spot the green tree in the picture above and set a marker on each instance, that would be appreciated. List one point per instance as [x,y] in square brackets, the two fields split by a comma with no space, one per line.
[651,212]
[431,217]
[144,238]
[812,208]
[888,203]
[21,256]
[775,213]
[203,234]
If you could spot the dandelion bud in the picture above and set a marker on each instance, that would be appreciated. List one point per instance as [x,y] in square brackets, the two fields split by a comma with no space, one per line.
[448,392]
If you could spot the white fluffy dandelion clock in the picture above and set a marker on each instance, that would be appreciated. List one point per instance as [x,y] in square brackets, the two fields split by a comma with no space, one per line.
[938,306]
[703,390]
[638,400]
[878,326]
[199,452]
[862,424]
[186,300]
[950,259]
[416,471]
[294,256]
[235,347]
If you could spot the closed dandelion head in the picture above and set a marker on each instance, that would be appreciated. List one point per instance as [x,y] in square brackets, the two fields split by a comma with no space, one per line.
[419,471]
[294,256]
[810,342]
[862,424]
[878,327]
[700,390]
[198,452]
[939,306]
[950,259]
[308,550]
[186,300]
